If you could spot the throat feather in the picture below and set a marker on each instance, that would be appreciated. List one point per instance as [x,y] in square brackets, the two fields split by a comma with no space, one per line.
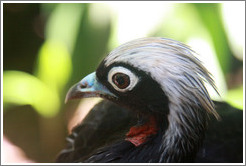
[138,135]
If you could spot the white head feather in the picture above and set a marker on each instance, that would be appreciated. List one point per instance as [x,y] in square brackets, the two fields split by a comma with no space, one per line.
[172,64]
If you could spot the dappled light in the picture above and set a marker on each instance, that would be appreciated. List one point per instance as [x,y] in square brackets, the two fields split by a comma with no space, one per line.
[77,36]
[10,148]
[232,15]
[54,65]
[22,88]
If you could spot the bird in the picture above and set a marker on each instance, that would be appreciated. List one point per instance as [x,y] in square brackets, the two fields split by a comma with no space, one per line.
[155,108]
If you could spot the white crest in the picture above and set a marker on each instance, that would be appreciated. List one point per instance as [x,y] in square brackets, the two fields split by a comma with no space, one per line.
[172,64]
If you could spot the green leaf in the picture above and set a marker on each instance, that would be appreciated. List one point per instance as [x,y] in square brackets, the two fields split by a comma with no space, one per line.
[235,97]
[209,14]
[63,23]
[54,65]
[21,88]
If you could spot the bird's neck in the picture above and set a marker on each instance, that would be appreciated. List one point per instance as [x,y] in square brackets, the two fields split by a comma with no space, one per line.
[175,138]
[183,138]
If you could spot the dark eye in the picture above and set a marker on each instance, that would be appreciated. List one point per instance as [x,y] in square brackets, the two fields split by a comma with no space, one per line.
[121,80]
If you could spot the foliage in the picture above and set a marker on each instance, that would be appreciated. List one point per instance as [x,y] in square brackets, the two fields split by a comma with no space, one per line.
[77,36]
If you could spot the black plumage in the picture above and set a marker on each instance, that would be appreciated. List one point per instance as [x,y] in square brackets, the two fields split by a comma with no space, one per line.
[224,139]
[158,110]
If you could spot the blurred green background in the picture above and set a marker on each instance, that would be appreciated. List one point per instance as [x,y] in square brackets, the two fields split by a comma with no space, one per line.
[48,47]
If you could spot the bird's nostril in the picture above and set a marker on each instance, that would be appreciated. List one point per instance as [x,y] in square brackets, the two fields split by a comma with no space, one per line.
[82,86]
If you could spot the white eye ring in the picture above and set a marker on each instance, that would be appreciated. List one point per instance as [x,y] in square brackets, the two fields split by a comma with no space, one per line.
[133,78]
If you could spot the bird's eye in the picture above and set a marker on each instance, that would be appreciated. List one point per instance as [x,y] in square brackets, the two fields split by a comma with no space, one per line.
[121,80]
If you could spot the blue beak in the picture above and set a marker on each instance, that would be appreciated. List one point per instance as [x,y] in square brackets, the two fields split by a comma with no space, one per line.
[88,87]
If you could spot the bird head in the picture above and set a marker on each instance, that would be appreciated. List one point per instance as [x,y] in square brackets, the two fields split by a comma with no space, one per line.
[149,75]
[160,78]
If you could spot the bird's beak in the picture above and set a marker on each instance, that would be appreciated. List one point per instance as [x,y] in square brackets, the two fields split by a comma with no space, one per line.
[88,87]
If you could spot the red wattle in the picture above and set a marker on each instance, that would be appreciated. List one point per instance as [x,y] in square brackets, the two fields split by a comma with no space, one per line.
[139,134]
